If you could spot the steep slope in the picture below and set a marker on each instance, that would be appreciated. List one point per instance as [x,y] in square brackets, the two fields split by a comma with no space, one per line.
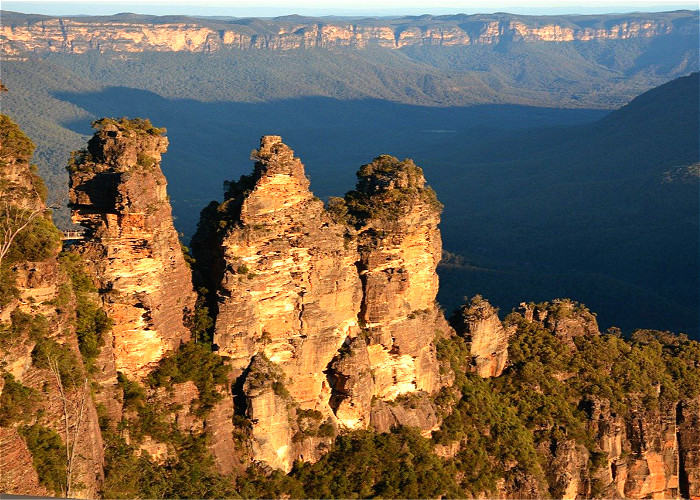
[50,442]
[133,33]
[592,211]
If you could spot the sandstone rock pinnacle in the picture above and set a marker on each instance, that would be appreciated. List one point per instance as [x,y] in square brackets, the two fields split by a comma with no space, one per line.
[342,299]
[488,339]
[118,193]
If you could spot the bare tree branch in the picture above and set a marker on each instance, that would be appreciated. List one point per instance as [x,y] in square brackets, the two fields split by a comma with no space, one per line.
[13,221]
[79,410]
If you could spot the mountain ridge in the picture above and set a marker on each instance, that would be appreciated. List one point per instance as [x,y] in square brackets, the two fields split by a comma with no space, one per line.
[126,32]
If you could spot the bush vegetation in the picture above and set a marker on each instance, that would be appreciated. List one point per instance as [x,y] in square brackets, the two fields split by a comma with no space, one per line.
[23,326]
[17,402]
[15,143]
[386,189]
[365,464]
[91,320]
[47,351]
[48,456]
[197,363]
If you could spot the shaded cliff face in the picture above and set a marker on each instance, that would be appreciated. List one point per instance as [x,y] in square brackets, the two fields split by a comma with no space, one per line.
[118,194]
[22,33]
[650,453]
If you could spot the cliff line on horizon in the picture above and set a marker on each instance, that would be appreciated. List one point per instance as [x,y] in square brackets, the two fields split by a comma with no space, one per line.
[23,33]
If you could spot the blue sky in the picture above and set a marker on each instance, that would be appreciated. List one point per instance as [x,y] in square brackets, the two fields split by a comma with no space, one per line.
[244,8]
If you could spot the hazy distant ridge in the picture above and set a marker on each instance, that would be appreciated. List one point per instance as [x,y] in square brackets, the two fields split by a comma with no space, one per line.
[21,33]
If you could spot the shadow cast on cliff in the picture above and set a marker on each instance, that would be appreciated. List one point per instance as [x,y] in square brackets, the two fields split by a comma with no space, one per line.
[472,156]
[211,141]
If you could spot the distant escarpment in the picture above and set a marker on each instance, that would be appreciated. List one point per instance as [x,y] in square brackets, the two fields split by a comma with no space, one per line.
[118,194]
[22,33]
[341,300]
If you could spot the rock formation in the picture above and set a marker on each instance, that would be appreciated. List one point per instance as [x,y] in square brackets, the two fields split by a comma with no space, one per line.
[289,288]
[328,317]
[488,339]
[21,34]
[347,316]
[651,453]
[399,245]
[118,194]
[566,318]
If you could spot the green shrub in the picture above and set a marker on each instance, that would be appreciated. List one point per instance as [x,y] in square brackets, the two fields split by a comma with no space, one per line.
[92,323]
[23,327]
[14,142]
[189,473]
[17,402]
[62,356]
[138,125]
[197,363]
[48,456]
[257,483]
[338,210]
[364,464]
[38,183]
[145,161]
[38,241]
[8,290]
[133,393]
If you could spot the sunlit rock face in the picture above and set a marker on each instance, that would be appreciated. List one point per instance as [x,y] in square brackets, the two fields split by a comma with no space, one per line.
[399,247]
[341,300]
[289,288]
[488,339]
[118,193]
[22,34]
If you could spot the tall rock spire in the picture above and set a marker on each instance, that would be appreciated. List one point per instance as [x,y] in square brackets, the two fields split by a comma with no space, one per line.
[399,245]
[118,193]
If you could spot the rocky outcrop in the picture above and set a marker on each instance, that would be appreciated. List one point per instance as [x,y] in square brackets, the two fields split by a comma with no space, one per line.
[351,378]
[399,244]
[342,301]
[688,429]
[566,318]
[21,34]
[488,339]
[118,194]
[412,410]
[646,454]
[289,288]
[18,474]
[568,469]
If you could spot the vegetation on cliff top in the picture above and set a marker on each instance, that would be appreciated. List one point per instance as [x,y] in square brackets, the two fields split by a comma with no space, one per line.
[387,188]
[83,160]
